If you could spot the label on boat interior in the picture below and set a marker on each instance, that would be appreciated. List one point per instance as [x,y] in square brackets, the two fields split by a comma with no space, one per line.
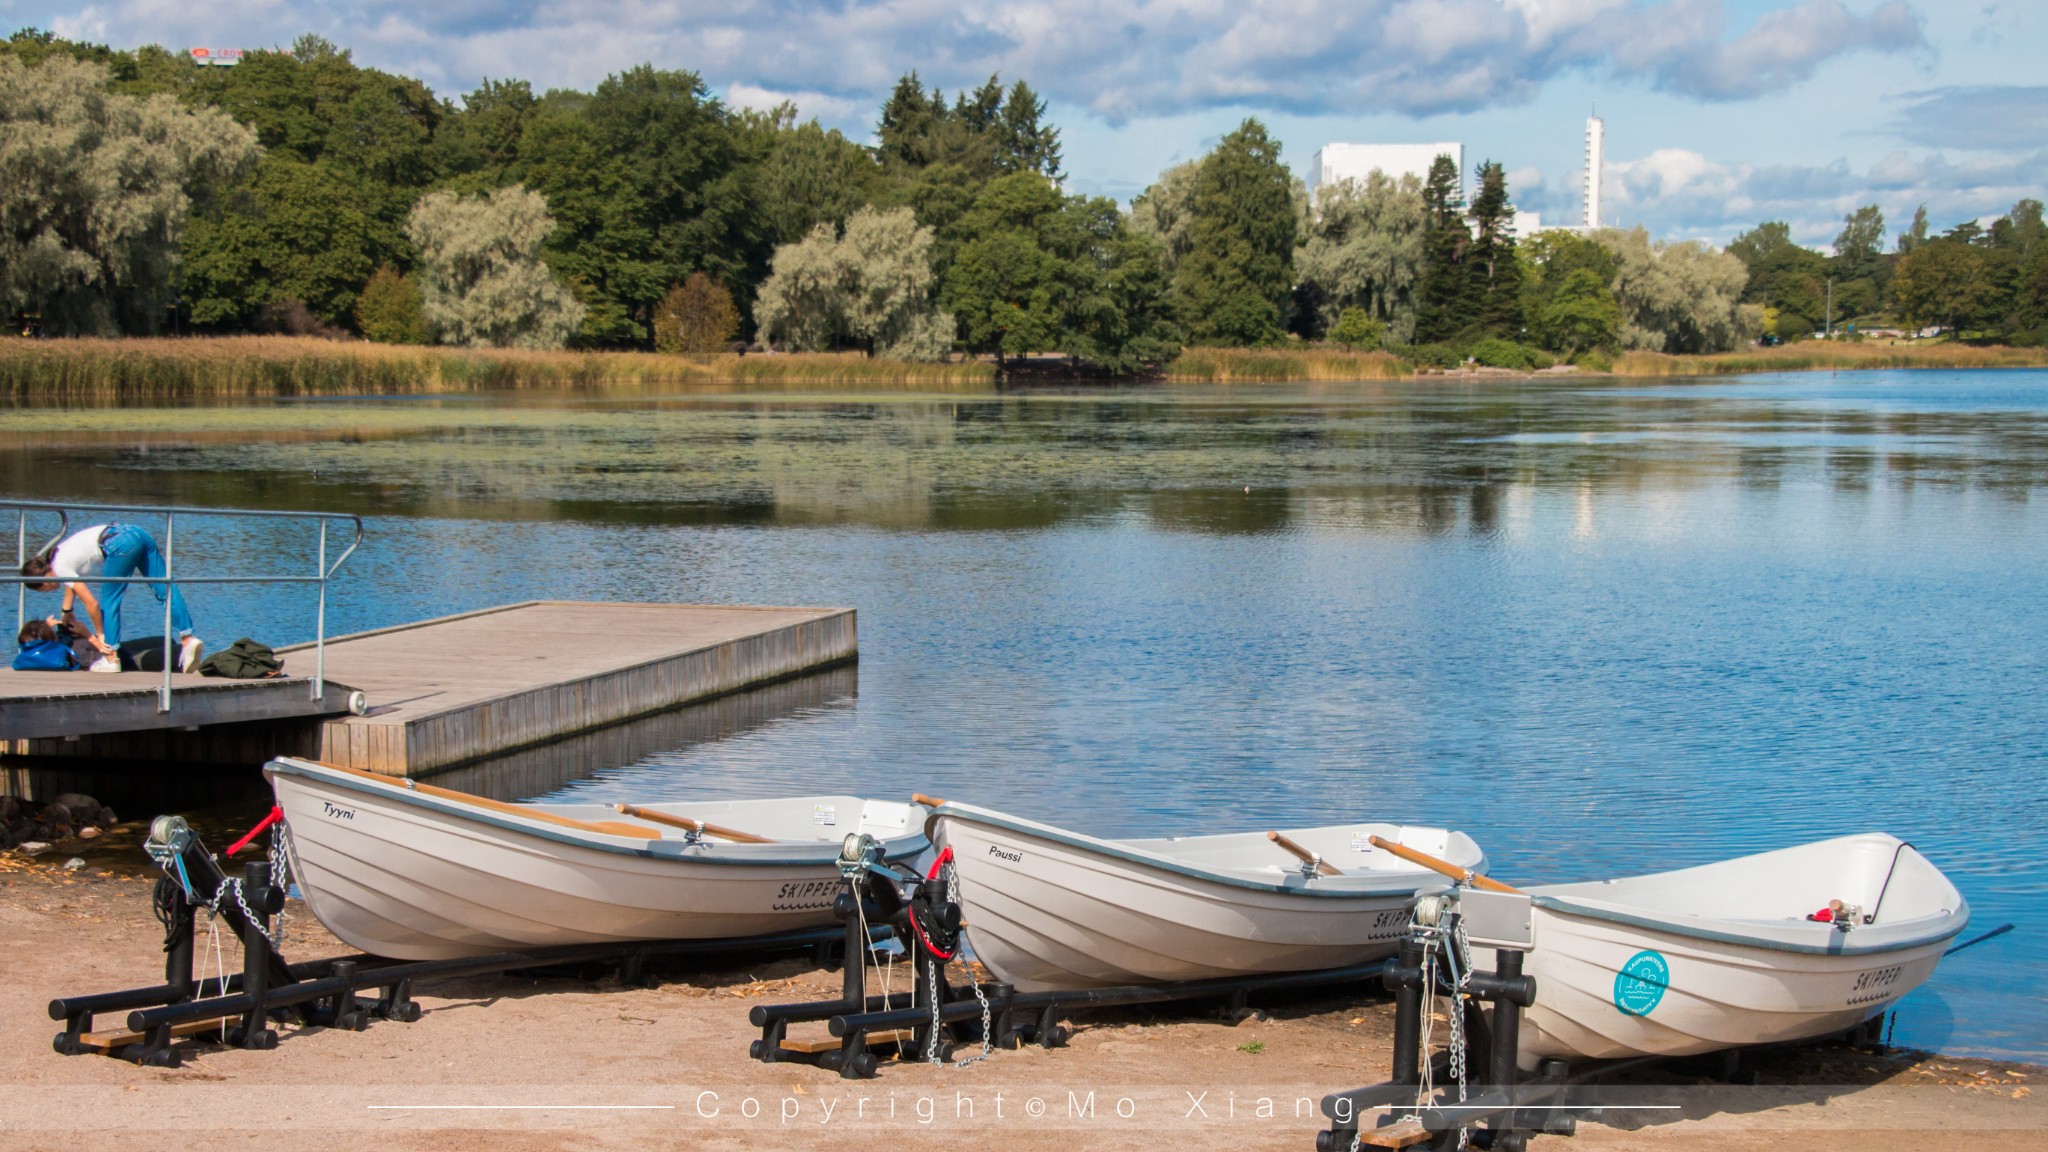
[1361,842]
[825,814]
[1639,986]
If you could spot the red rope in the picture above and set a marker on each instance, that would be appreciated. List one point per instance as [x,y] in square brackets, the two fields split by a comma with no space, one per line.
[276,814]
[937,865]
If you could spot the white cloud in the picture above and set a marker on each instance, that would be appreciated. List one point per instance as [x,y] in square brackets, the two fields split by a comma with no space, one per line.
[1118,58]
[1678,193]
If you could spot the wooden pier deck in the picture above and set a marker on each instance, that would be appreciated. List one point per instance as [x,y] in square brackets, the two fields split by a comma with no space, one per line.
[75,704]
[458,689]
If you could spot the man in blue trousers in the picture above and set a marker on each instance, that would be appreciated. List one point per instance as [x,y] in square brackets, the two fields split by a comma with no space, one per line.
[112,551]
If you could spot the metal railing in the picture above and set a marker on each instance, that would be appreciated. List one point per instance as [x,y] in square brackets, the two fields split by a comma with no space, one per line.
[323,570]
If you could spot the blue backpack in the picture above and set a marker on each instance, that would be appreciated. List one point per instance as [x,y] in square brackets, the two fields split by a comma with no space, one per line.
[45,656]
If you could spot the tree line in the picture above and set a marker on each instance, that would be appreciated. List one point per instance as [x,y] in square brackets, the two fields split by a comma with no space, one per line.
[298,191]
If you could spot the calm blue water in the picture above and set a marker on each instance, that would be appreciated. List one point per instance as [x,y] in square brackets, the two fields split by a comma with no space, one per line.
[1604,628]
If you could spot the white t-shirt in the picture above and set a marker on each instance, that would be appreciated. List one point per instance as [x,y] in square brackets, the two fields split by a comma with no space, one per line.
[79,556]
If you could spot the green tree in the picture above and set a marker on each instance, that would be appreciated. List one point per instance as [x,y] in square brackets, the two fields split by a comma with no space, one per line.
[812,176]
[482,281]
[390,311]
[96,190]
[1783,275]
[1443,302]
[1940,282]
[1358,330]
[1233,284]
[1495,289]
[1915,235]
[1363,250]
[1580,313]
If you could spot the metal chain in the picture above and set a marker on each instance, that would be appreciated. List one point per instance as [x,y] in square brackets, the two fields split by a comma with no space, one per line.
[987,1041]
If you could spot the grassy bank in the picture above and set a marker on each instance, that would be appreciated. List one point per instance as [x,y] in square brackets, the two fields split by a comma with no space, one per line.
[1810,356]
[246,366]
[1263,365]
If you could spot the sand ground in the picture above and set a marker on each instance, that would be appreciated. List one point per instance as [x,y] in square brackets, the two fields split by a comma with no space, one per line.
[560,1063]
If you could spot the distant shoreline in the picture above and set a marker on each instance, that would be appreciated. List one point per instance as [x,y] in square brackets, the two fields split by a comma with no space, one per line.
[230,367]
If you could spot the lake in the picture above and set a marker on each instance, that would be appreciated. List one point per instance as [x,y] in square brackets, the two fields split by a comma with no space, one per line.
[1605,627]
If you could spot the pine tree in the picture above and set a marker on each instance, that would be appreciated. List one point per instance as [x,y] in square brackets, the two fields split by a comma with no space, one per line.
[1493,273]
[1234,282]
[1440,305]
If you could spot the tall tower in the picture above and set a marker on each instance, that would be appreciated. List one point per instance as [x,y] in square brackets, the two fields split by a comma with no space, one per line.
[1596,154]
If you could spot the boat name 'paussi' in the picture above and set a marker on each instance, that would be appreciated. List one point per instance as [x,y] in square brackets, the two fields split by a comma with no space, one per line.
[1012,855]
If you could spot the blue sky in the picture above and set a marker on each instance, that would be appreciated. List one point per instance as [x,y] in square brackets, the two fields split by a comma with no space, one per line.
[1720,113]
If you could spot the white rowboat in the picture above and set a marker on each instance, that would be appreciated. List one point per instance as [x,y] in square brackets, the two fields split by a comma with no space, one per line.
[415,872]
[1724,955]
[1048,909]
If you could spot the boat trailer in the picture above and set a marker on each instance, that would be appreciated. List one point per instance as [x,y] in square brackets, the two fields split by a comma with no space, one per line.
[1430,1105]
[343,992]
[935,1017]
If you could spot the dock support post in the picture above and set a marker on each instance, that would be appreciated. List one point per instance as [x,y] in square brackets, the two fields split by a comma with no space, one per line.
[256,1031]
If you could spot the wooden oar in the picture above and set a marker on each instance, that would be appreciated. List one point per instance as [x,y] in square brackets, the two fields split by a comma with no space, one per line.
[927,801]
[1444,866]
[603,827]
[1307,857]
[687,824]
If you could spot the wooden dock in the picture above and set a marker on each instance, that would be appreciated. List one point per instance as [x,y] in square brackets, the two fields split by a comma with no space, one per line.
[459,689]
[75,704]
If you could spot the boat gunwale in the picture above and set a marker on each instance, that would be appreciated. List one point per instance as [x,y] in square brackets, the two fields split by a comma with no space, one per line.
[812,853]
[1429,881]
[1840,943]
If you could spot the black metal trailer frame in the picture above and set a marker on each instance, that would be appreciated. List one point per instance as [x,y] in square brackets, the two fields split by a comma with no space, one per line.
[327,992]
[1510,1107]
[988,1015]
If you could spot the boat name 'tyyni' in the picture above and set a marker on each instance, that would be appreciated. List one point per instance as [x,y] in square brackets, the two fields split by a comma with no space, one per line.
[1012,856]
[337,813]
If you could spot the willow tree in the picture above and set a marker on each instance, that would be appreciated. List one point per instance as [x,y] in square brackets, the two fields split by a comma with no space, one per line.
[872,283]
[482,282]
[1363,250]
[1679,297]
[95,192]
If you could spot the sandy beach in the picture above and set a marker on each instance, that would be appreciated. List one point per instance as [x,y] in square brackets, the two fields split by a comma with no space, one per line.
[521,1063]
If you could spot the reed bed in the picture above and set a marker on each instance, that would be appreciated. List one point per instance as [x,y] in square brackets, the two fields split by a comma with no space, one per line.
[1811,356]
[226,367]
[1276,365]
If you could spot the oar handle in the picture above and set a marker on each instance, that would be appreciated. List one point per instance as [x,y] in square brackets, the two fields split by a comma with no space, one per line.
[687,824]
[927,801]
[1434,864]
[1304,855]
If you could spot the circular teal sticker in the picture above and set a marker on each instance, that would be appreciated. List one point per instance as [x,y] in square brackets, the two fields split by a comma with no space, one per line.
[1641,982]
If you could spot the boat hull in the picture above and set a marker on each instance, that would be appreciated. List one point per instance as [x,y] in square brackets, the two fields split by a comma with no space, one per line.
[1046,914]
[415,882]
[1598,994]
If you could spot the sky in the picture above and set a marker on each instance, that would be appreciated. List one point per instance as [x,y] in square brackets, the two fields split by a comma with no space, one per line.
[1719,113]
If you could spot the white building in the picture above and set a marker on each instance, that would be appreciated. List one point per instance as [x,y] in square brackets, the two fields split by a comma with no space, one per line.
[1596,158]
[1357,161]
[1526,224]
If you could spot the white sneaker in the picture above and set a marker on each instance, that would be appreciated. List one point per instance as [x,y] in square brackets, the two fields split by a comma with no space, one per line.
[106,664]
[190,649]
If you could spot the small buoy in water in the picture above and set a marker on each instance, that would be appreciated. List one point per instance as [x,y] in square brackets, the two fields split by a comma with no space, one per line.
[1247,488]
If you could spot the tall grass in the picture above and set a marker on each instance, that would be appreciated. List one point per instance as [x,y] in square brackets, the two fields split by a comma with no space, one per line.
[1263,365]
[230,367]
[1816,355]
[250,366]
